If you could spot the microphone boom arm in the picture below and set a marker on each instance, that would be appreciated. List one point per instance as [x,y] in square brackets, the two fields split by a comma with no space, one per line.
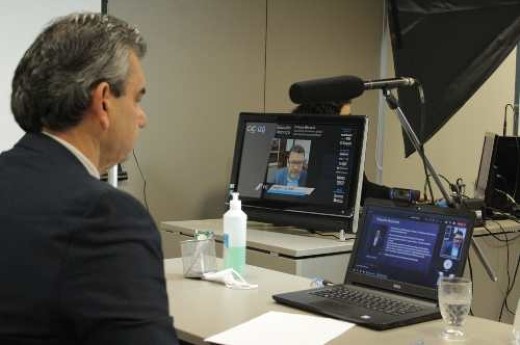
[405,124]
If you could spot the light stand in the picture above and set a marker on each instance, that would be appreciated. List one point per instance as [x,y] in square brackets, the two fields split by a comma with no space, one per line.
[394,105]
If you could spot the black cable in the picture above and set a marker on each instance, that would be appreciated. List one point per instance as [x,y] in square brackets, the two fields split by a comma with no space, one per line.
[454,187]
[450,185]
[445,179]
[473,285]
[331,235]
[427,183]
[495,235]
[424,187]
[508,285]
[325,235]
[420,92]
[265,50]
[504,129]
[508,196]
[511,284]
[144,181]
[517,168]
[514,277]
[505,214]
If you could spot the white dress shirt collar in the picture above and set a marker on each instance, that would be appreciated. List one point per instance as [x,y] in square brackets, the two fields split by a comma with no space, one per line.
[91,168]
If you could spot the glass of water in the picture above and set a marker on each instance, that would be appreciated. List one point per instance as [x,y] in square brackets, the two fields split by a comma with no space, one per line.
[454,302]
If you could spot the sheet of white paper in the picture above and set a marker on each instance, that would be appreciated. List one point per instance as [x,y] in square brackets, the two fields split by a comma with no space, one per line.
[282,328]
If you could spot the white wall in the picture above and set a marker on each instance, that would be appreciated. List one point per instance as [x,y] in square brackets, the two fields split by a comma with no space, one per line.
[21,21]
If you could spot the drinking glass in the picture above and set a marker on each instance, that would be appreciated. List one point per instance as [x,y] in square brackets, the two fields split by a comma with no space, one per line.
[454,302]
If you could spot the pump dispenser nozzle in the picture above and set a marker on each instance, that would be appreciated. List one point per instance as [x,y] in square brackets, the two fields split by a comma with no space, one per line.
[235,203]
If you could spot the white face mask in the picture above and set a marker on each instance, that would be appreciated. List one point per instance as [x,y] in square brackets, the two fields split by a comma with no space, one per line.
[229,277]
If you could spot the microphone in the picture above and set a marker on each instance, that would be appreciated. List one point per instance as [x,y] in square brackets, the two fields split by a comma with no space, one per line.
[340,89]
[391,83]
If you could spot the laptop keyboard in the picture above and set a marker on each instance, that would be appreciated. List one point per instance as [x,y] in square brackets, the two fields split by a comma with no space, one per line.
[369,300]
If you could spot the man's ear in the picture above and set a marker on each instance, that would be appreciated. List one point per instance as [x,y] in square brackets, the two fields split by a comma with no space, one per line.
[100,104]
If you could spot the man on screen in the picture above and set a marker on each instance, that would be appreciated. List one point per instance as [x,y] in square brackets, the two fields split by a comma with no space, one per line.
[370,189]
[452,247]
[294,174]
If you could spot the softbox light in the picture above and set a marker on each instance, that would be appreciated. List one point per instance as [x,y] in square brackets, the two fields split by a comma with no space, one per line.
[452,47]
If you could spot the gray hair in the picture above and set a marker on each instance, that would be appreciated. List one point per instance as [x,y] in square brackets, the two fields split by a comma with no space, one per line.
[53,82]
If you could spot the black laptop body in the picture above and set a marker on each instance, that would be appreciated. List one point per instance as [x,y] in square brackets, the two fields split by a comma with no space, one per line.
[396,262]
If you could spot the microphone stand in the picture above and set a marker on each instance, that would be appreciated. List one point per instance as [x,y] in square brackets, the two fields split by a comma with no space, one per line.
[394,105]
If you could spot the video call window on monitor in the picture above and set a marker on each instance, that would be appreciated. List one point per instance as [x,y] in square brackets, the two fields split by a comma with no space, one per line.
[288,162]
[302,170]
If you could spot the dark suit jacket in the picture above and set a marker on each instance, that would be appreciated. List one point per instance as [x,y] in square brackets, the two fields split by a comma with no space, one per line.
[80,261]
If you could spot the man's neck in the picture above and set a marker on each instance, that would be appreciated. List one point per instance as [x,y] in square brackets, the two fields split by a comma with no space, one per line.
[82,142]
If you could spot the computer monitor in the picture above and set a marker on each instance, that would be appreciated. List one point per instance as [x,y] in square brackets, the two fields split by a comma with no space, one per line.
[300,170]
[484,170]
[498,181]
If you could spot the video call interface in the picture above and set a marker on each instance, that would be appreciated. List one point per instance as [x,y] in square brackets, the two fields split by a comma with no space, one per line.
[305,164]
[411,248]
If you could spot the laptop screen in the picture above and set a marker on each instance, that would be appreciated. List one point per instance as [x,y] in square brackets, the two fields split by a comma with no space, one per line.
[408,248]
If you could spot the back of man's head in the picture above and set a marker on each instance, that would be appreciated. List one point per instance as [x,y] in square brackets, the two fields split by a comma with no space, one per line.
[332,108]
[52,84]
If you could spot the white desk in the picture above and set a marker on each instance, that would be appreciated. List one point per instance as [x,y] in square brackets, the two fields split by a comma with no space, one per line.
[284,249]
[488,295]
[202,309]
[295,251]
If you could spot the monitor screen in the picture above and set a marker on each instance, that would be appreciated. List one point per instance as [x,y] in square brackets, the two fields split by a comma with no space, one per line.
[484,169]
[301,170]
[498,181]
[506,173]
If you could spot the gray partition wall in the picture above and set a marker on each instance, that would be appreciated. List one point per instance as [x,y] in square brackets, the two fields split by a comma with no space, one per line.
[210,59]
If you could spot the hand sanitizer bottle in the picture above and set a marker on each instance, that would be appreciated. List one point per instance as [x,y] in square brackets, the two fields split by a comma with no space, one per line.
[235,225]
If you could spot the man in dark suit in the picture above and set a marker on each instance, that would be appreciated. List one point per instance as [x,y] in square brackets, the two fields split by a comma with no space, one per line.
[81,261]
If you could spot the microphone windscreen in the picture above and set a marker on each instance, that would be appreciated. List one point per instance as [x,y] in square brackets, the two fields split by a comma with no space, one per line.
[336,89]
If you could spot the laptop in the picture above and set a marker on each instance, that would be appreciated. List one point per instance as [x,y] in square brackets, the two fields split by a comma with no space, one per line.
[396,262]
